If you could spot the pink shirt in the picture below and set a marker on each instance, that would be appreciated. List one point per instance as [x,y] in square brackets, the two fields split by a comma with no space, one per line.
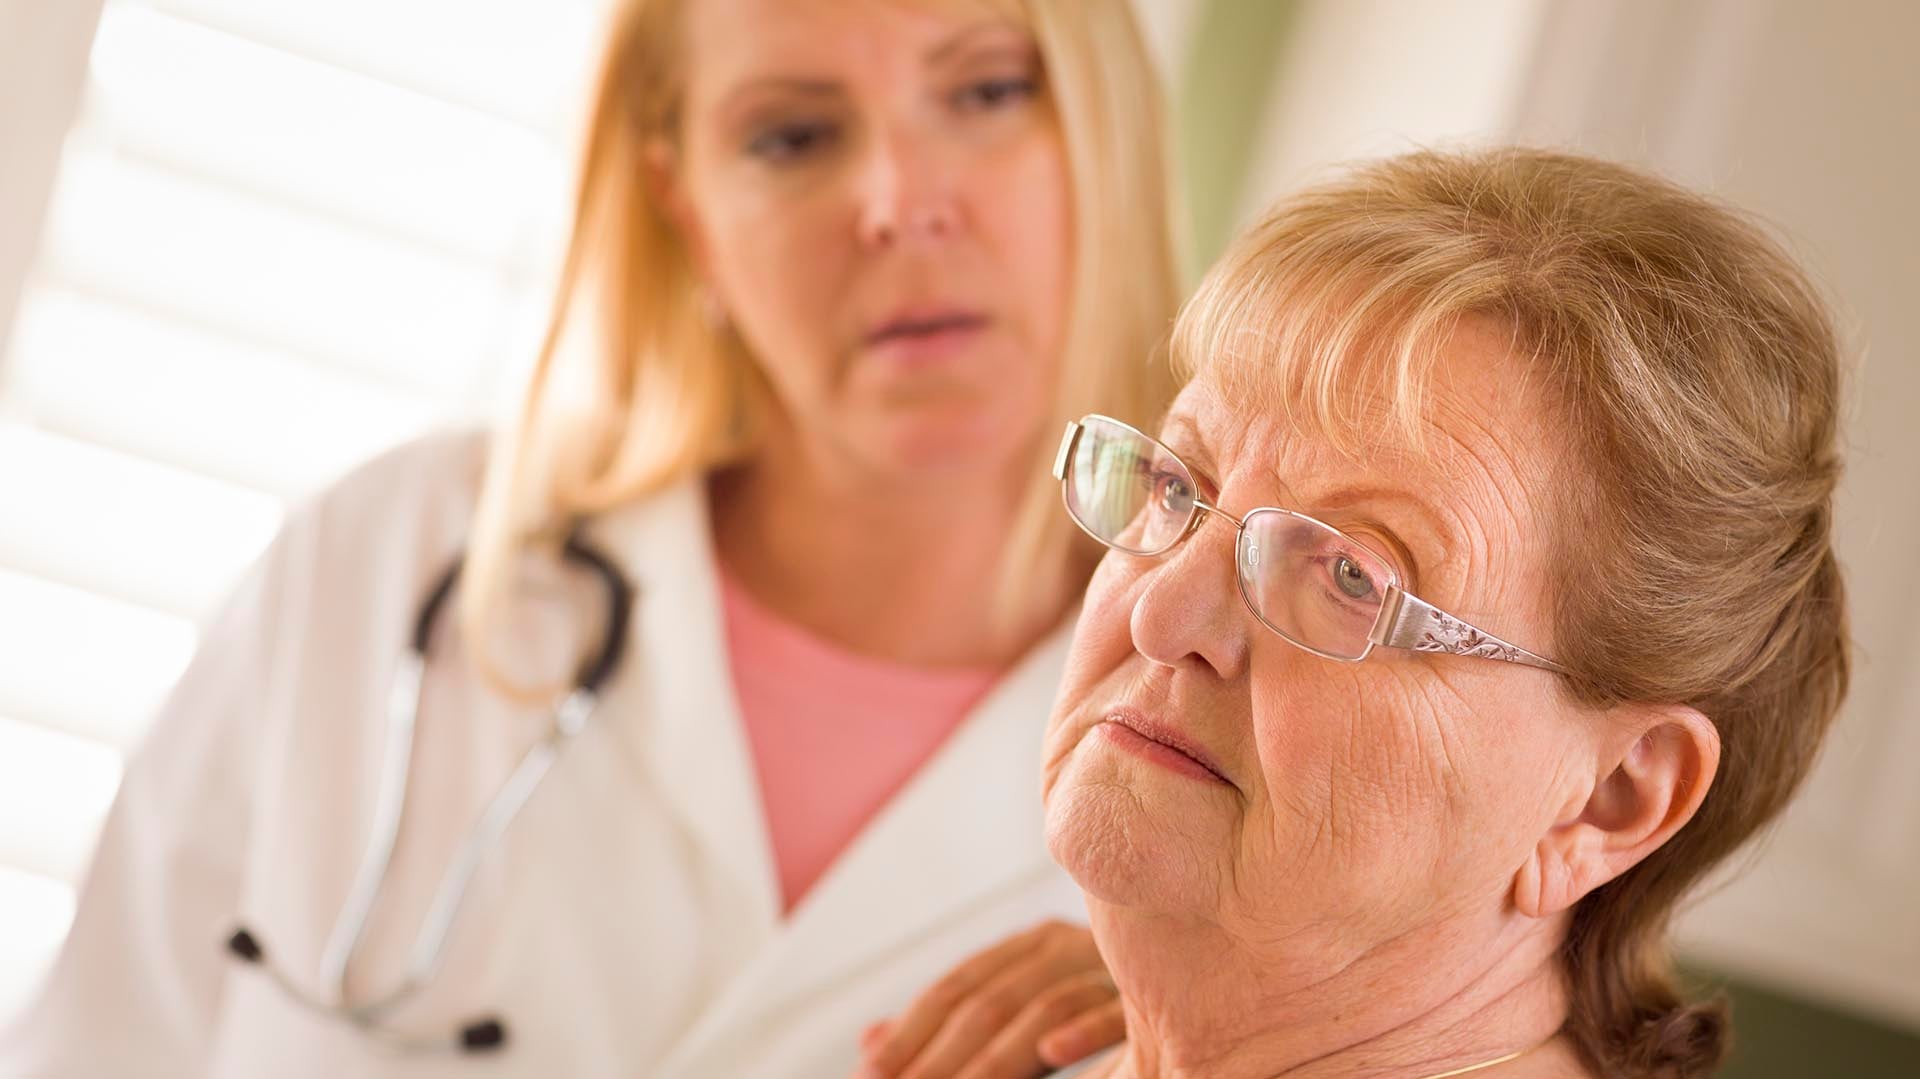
[833,734]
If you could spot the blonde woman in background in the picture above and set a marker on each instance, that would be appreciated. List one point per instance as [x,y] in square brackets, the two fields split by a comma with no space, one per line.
[839,272]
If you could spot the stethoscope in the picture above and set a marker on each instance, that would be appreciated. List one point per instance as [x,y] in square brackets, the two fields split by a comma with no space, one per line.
[403,708]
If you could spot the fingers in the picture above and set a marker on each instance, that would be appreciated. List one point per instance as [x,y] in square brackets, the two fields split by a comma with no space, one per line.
[986,1018]
[1015,1052]
[978,1023]
[907,1035]
[1087,1032]
[875,1036]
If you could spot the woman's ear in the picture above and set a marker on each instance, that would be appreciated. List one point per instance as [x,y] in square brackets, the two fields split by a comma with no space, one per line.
[1656,765]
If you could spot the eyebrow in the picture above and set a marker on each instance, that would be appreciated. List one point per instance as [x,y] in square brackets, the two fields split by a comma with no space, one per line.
[959,39]
[1186,427]
[1341,498]
[783,83]
[828,88]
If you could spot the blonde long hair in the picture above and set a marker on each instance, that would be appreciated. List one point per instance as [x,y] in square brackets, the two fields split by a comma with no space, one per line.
[659,394]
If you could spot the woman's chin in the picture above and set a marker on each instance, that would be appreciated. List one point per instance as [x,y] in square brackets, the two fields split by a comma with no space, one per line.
[950,431]
[935,450]
[1121,853]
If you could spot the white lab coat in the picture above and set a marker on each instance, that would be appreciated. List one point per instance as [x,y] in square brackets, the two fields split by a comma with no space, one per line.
[630,923]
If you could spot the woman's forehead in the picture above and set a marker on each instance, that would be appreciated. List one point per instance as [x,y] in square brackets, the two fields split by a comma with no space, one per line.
[801,31]
[1482,435]
[1239,431]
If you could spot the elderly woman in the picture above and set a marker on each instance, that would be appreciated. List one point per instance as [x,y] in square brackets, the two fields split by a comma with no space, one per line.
[1476,598]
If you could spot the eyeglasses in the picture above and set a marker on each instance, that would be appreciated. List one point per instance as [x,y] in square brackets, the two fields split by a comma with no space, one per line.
[1311,583]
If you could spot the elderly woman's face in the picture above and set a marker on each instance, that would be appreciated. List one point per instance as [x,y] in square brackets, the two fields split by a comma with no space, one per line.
[1200,765]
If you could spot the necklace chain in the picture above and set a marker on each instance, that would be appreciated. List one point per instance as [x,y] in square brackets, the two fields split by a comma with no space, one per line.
[1485,1063]
[1516,1055]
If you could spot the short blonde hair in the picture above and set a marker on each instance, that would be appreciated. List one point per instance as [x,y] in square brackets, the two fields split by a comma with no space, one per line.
[1697,377]
[658,394]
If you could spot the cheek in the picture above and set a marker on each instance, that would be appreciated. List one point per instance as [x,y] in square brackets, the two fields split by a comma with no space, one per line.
[775,252]
[1102,646]
[1399,793]
[1520,763]
[1023,206]
[1103,634]
[1359,794]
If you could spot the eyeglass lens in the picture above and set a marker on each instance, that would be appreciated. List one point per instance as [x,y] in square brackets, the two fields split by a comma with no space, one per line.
[1308,582]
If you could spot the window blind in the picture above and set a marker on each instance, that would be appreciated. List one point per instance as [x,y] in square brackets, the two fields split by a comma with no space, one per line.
[283,237]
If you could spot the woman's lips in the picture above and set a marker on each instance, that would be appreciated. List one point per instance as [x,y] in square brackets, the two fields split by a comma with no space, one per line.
[925,338]
[1157,744]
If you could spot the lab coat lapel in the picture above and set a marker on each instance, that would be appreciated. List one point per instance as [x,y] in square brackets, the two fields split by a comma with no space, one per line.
[674,705]
[966,828]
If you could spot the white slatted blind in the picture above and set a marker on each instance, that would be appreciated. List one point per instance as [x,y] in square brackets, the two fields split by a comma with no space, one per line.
[284,235]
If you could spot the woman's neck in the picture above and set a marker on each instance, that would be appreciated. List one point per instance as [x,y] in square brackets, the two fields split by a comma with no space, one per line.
[1447,996]
[905,572]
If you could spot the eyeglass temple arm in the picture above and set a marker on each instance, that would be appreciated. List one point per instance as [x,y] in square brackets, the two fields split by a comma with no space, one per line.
[1415,624]
[1067,439]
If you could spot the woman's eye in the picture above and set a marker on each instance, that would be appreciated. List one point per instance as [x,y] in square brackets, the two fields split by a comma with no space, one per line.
[789,142]
[1172,492]
[1350,578]
[988,94]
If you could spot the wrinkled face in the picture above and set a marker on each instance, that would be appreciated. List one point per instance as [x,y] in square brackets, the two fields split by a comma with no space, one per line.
[877,194]
[1198,765]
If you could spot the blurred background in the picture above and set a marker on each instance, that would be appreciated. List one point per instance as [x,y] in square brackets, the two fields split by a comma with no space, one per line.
[247,243]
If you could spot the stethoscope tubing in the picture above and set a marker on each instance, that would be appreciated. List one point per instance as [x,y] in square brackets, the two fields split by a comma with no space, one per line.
[403,710]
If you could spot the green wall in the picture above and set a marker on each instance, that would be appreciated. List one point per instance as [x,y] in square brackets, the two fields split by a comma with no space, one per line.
[1219,102]
[1779,1036]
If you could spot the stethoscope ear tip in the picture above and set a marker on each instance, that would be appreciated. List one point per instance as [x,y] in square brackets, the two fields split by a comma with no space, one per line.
[242,944]
[483,1036]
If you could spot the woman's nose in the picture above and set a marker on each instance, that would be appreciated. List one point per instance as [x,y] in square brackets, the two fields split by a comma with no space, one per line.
[906,195]
[1188,612]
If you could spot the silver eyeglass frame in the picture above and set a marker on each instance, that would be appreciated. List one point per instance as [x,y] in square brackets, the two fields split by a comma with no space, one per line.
[1405,620]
